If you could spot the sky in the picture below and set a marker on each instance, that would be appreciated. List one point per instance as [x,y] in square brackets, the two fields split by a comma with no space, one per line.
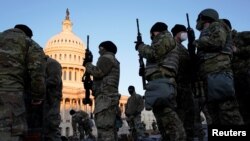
[115,20]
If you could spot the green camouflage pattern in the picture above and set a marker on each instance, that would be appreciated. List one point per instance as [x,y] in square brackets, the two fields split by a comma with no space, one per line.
[105,124]
[12,113]
[21,59]
[51,109]
[169,125]
[106,76]
[213,37]
[155,54]
[15,49]
[212,60]
[209,49]
[162,63]
[161,45]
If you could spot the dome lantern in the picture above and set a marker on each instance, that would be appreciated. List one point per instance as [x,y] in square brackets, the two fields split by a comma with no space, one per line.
[67,24]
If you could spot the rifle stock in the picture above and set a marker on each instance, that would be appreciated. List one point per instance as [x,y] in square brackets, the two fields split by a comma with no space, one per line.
[141,62]
[87,82]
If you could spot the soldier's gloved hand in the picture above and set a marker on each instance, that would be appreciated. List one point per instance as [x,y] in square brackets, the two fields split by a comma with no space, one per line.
[141,72]
[137,45]
[191,35]
[88,57]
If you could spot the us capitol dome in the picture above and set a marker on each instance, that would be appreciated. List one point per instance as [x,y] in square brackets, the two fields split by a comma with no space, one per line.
[69,50]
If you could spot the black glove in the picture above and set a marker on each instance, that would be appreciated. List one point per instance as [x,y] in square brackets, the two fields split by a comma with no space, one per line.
[141,72]
[88,57]
[137,45]
[191,35]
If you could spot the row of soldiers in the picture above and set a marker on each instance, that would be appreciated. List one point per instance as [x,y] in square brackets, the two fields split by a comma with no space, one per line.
[30,89]
[210,75]
[176,77]
[181,82]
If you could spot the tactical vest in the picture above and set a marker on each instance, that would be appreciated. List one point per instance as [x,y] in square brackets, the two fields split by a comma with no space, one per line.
[13,47]
[215,58]
[167,67]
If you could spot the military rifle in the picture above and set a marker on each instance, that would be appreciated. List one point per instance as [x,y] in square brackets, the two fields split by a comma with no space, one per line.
[141,62]
[191,38]
[87,82]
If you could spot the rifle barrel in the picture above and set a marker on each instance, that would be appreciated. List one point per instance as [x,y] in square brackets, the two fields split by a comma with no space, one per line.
[188,20]
[138,28]
[87,42]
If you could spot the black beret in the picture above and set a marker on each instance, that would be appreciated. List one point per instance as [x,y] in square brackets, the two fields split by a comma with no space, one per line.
[159,26]
[109,46]
[25,29]
[131,87]
[178,28]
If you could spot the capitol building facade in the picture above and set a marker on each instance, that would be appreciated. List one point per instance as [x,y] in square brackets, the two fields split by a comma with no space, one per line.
[69,50]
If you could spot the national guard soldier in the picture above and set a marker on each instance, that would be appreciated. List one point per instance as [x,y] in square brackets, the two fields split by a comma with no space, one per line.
[133,109]
[214,57]
[51,107]
[22,74]
[241,69]
[106,75]
[185,100]
[82,122]
[161,69]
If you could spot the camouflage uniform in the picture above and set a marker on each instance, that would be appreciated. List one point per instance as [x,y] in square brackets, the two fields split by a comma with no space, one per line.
[82,121]
[105,90]
[20,59]
[161,69]
[185,99]
[51,105]
[241,69]
[133,109]
[214,55]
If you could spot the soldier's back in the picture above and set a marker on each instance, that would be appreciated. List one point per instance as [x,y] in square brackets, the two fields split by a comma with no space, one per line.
[12,59]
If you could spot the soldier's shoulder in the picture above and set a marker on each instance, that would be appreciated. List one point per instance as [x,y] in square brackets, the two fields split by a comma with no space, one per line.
[52,60]
[34,43]
[162,36]
[138,95]
[108,58]
[217,25]
[13,33]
